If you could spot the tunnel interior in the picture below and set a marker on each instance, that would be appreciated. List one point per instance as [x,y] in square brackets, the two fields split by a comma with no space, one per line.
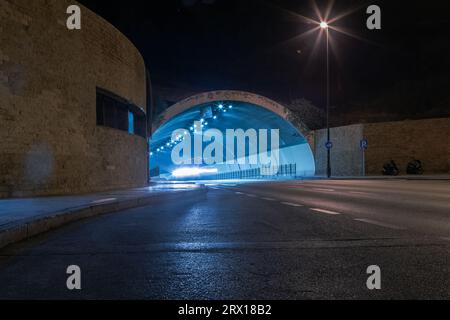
[229,140]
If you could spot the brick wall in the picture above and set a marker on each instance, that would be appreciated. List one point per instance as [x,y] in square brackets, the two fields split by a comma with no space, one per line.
[49,140]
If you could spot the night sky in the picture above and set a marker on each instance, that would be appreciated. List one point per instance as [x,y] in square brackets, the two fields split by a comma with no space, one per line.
[252,45]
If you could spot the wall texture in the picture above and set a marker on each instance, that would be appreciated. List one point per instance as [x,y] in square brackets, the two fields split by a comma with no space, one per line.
[50,143]
[231,95]
[427,140]
[346,157]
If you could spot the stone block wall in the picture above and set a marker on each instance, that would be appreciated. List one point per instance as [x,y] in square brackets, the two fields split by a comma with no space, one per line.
[49,140]
[346,157]
[427,140]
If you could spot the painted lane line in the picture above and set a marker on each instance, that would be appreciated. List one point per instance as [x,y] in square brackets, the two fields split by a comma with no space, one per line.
[292,204]
[268,199]
[239,193]
[104,200]
[381,224]
[325,211]
[251,195]
[360,193]
[324,190]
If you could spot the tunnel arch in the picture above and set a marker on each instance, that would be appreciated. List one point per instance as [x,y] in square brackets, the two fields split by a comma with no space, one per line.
[231,95]
[247,109]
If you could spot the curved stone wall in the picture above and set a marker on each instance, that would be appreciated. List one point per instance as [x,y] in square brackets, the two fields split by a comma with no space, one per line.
[50,141]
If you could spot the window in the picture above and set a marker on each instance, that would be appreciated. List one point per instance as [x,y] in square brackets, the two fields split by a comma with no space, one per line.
[115,112]
[140,125]
[130,122]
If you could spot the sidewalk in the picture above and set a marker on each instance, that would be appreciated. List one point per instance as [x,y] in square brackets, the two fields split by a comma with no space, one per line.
[21,219]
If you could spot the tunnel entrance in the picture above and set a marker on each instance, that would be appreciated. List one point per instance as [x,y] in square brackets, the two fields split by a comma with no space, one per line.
[229,135]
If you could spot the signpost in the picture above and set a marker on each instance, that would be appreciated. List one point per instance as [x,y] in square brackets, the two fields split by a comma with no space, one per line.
[329,146]
[364,144]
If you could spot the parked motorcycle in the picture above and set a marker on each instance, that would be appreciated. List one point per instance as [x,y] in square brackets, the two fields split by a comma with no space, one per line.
[414,167]
[390,169]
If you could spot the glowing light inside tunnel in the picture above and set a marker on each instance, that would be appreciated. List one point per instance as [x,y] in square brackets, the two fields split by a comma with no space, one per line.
[192,172]
[186,133]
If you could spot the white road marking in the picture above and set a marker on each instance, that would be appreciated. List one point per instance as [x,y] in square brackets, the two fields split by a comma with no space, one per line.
[360,193]
[322,189]
[238,192]
[325,211]
[381,224]
[104,200]
[268,199]
[292,204]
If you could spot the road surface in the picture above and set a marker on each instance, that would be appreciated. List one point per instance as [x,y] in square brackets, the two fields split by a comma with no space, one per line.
[280,240]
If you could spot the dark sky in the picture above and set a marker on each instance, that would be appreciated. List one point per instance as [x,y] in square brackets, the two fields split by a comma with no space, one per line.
[251,45]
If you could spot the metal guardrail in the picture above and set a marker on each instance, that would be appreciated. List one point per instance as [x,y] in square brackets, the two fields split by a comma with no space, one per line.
[286,170]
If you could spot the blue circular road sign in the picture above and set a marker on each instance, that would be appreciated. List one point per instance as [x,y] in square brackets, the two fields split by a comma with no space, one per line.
[364,144]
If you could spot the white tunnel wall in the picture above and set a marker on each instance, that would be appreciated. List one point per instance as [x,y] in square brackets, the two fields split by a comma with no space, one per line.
[300,155]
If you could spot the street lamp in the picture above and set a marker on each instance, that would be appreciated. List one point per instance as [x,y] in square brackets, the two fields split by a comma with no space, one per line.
[324,26]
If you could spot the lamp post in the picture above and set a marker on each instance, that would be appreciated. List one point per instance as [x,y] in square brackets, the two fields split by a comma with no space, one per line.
[324,26]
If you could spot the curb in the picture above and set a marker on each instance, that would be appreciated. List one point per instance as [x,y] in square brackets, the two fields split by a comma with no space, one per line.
[26,229]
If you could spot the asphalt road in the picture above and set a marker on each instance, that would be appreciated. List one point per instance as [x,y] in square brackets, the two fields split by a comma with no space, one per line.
[282,240]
